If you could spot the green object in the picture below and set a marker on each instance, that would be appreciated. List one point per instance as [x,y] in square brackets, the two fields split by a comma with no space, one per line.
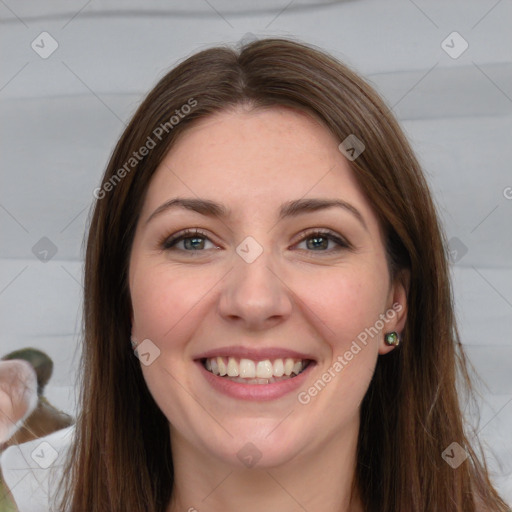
[392,338]
[6,503]
[42,363]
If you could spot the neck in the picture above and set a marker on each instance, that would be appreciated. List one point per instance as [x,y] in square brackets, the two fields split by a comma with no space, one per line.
[319,479]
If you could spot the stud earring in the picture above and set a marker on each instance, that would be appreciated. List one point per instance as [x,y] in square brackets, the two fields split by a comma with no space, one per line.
[392,339]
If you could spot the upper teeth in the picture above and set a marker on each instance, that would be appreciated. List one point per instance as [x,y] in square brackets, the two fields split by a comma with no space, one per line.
[249,369]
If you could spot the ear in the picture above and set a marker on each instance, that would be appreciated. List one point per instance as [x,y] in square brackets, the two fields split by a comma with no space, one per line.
[396,308]
[18,395]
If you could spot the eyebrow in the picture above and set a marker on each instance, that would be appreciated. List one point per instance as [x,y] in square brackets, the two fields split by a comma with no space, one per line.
[213,209]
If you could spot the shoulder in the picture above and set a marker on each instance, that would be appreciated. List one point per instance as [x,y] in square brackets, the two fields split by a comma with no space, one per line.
[32,470]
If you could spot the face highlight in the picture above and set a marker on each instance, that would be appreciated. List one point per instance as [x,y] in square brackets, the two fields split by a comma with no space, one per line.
[256,263]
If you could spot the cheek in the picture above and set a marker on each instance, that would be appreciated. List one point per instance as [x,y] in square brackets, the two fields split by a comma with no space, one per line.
[164,301]
[347,302]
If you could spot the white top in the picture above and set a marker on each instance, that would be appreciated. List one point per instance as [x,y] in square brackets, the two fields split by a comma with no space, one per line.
[33,470]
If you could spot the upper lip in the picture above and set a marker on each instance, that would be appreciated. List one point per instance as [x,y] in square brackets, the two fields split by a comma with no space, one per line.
[255,354]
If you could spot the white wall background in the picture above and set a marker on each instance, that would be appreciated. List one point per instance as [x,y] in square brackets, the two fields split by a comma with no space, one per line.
[60,117]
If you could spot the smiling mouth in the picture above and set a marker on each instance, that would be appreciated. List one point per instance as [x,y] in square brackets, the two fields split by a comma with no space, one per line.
[248,371]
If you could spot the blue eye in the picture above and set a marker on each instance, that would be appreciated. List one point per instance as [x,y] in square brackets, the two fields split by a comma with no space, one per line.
[320,241]
[195,240]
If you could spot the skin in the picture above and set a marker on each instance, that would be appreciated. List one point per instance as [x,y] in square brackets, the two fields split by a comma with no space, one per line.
[294,295]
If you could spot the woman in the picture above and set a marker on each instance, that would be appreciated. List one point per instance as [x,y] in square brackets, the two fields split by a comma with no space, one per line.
[266,239]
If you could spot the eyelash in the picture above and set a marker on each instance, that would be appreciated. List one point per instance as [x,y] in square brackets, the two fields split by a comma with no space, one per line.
[168,243]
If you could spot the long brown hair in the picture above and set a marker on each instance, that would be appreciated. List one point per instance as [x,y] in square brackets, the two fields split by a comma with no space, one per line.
[121,458]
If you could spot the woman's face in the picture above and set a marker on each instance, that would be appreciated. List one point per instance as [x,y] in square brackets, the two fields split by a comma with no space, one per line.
[272,282]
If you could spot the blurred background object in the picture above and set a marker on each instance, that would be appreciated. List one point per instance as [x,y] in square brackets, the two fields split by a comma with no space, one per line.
[18,400]
[45,418]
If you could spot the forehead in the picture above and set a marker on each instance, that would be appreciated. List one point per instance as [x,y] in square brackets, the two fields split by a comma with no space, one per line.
[256,159]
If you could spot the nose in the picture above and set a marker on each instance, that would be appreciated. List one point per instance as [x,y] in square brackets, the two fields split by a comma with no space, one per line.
[255,295]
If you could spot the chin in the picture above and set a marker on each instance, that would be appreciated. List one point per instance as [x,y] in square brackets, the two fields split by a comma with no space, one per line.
[260,448]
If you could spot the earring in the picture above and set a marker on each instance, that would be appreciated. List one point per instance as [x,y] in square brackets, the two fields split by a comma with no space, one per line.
[133,342]
[392,339]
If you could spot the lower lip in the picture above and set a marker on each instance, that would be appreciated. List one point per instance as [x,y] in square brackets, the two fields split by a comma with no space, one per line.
[255,392]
